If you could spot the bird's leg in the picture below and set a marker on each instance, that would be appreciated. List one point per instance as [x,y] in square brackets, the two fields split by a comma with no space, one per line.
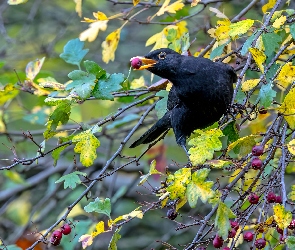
[182,142]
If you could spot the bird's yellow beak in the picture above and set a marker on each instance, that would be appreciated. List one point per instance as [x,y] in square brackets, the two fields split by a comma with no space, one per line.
[146,61]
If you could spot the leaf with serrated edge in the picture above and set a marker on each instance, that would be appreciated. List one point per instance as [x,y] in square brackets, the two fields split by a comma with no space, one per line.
[282,216]
[71,180]
[99,206]
[240,27]
[177,183]
[222,220]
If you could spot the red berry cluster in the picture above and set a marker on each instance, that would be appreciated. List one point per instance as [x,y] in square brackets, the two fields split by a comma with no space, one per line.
[57,234]
[256,163]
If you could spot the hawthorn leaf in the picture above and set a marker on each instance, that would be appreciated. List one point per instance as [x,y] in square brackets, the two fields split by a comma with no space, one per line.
[269,5]
[99,228]
[61,114]
[91,33]
[109,46]
[86,240]
[105,87]
[113,243]
[292,30]
[243,145]
[8,93]
[86,145]
[99,206]
[83,83]
[266,95]
[222,219]
[240,27]
[94,69]
[161,105]
[249,84]
[279,22]
[137,83]
[33,68]
[71,180]
[288,108]
[259,57]
[282,216]
[221,31]
[271,42]
[218,51]
[56,153]
[291,146]
[50,83]
[172,8]
[73,52]
[177,183]
[291,195]
[290,241]
[247,44]
[286,75]
[199,188]
[152,171]
[204,145]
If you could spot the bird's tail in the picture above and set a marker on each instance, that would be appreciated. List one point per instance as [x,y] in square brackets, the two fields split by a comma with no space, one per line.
[155,131]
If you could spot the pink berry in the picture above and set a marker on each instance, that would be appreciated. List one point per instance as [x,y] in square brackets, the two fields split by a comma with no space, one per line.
[279,199]
[279,230]
[201,248]
[253,198]
[260,243]
[217,241]
[271,197]
[282,238]
[232,233]
[292,225]
[235,225]
[257,150]
[55,237]
[226,248]
[136,63]
[248,236]
[256,163]
[66,229]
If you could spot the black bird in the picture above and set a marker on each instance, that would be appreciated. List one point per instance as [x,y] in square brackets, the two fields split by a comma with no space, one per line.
[201,93]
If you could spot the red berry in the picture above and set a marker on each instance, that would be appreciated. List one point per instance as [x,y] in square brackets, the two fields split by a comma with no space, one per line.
[217,241]
[172,214]
[232,233]
[282,238]
[226,248]
[253,198]
[292,225]
[56,237]
[235,225]
[248,236]
[257,150]
[66,229]
[271,197]
[260,243]
[279,199]
[256,163]
[201,248]
[279,230]
[136,63]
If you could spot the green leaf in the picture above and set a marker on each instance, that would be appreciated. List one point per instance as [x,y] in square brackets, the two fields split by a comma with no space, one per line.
[94,69]
[171,36]
[86,144]
[199,188]
[126,120]
[177,183]
[291,195]
[218,51]
[231,132]
[2,63]
[271,72]
[247,45]
[73,52]
[244,145]
[290,241]
[266,95]
[61,114]
[71,180]
[282,216]
[99,206]
[161,105]
[104,88]
[292,30]
[7,93]
[83,83]
[204,145]
[114,240]
[271,42]
[222,219]
[56,153]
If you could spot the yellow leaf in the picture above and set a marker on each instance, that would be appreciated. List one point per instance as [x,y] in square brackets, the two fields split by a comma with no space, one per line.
[291,146]
[259,57]
[218,13]
[177,183]
[100,15]
[282,216]
[135,2]
[286,75]
[7,93]
[78,7]
[133,214]
[33,68]
[172,8]
[86,240]
[16,2]
[180,203]
[110,45]
[269,5]
[92,32]
[195,2]
[288,108]
[99,228]
[244,144]
[264,226]
[240,28]
[279,22]
[249,84]
[137,83]
[221,31]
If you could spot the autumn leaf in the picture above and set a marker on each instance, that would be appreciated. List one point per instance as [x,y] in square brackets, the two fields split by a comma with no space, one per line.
[204,145]
[16,2]
[195,3]
[92,32]
[291,195]
[177,183]
[218,13]
[288,108]
[240,27]
[78,7]
[221,31]
[113,243]
[259,57]
[249,84]
[7,93]
[269,5]
[135,2]
[199,188]
[86,240]
[137,83]
[152,171]
[222,219]
[110,45]
[243,145]
[172,8]
[99,228]
[33,68]
[282,216]
[286,75]
[279,22]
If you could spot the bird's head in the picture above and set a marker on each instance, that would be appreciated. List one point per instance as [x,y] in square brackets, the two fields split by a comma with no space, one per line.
[162,62]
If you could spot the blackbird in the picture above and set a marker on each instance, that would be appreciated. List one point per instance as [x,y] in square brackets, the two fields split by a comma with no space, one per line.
[201,93]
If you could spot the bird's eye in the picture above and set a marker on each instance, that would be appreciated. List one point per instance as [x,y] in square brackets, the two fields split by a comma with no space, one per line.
[162,55]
